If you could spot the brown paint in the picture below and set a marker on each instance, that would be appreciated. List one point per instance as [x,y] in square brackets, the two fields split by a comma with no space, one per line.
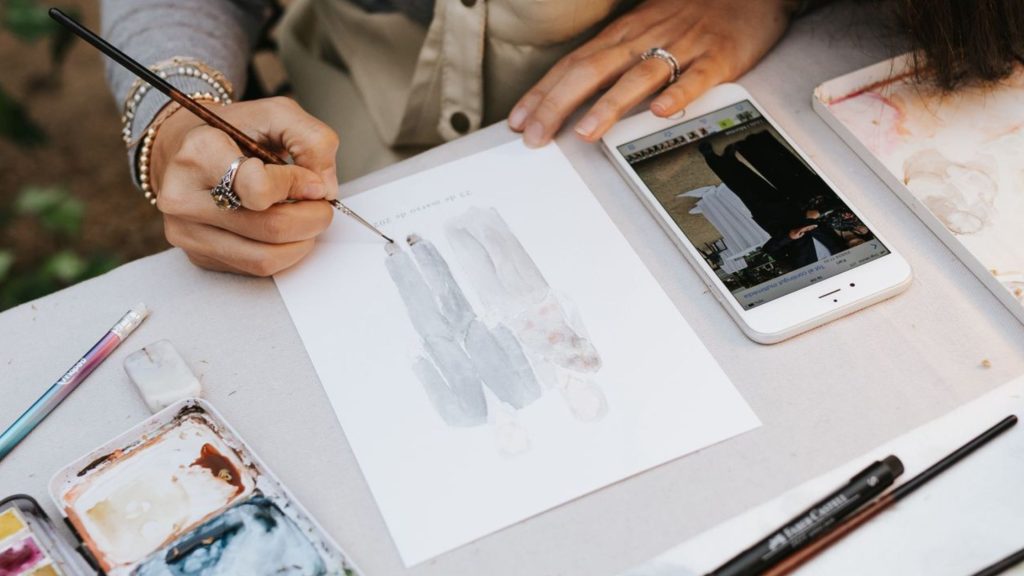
[218,465]
[870,88]
[97,462]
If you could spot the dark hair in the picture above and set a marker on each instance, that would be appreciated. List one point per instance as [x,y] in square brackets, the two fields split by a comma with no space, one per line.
[964,41]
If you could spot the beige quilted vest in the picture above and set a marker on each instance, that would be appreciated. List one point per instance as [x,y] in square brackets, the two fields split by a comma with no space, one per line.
[391,88]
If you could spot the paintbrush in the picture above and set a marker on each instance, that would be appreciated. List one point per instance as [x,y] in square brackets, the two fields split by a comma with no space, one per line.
[1002,565]
[887,500]
[247,144]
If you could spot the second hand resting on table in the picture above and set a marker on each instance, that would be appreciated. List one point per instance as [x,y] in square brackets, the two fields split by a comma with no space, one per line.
[712,40]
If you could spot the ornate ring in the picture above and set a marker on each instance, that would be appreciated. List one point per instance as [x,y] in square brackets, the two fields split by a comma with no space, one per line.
[668,58]
[224,192]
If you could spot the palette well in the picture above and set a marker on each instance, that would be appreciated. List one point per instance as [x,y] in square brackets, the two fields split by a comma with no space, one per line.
[31,546]
[182,494]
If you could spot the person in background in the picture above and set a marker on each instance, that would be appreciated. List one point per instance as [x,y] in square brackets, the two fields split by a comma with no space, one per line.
[394,77]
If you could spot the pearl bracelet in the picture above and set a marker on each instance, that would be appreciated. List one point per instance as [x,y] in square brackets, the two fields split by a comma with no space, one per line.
[146,149]
[177,66]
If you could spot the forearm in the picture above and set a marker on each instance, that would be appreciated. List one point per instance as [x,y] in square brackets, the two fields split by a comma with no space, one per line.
[219,33]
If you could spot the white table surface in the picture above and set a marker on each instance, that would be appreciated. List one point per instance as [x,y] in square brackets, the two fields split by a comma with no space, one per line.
[825,397]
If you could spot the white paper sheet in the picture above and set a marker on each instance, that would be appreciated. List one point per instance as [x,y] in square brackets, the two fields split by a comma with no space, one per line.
[562,368]
[966,518]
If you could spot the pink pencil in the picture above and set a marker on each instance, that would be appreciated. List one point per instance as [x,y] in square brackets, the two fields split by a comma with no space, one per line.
[62,388]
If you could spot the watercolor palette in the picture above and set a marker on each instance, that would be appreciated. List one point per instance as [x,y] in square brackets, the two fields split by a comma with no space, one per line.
[957,160]
[182,494]
[30,545]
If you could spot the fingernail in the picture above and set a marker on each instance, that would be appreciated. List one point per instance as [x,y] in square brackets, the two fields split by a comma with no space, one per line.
[587,126]
[659,107]
[313,190]
[534,135]
[517,117]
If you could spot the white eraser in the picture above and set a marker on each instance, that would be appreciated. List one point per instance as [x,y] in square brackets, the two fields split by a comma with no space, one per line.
[161,375]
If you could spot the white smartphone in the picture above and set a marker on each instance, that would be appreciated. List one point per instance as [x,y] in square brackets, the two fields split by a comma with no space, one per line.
[781,249]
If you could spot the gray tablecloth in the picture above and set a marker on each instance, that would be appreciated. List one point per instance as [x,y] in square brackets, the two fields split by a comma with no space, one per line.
[824,397]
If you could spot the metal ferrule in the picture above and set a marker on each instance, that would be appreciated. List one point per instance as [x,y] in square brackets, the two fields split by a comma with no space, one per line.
[129,322]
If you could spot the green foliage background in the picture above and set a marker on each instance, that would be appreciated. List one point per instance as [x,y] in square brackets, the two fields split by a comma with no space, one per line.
[53,208]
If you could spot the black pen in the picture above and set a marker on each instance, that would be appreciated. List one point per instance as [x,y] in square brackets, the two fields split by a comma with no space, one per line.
[814,521]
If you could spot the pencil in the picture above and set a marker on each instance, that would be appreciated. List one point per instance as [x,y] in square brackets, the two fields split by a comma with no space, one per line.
[248,145]
[71,379]
[887,500]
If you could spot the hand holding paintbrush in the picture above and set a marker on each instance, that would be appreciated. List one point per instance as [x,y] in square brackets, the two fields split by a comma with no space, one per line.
[216,153]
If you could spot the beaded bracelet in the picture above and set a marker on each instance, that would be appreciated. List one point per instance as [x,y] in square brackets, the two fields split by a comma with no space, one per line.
[177,66]
[142,160]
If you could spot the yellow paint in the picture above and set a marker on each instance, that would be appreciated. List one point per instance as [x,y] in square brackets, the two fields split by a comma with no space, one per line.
[10,523]
[48,570]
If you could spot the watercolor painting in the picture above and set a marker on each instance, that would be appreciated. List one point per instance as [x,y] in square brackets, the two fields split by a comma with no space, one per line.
[957,160]
[525,340]
[508,354]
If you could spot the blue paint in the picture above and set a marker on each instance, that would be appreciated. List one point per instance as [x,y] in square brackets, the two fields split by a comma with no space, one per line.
[253,538]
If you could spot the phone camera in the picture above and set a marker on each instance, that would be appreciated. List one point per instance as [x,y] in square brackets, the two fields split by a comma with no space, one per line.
[852,284]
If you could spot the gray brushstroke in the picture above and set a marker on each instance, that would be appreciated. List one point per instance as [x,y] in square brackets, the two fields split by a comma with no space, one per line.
[508,281]
[447,374]
[462,353]
[419,300]
[502,364]
[536,336]
[457,396]
[438,275]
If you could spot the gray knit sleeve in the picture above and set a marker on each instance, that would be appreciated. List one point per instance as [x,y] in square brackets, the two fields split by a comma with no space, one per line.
[220,33]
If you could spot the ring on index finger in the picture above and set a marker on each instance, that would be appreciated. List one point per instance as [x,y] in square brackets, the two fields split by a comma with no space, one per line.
[666,57]
[224,192]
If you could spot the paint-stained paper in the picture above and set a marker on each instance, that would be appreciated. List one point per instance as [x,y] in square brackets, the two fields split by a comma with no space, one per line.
[956,159]
[508,354]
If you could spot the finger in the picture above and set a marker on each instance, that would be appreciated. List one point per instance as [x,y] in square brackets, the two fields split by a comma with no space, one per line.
[702,74]
[211,264]
[635,85]
[232,250]
[624,32]
[260,185]
[278,224]
[207,153]
[310,142]
[575,87]
[529,101]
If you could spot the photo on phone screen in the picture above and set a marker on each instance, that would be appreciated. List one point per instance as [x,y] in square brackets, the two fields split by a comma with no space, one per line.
[763,220]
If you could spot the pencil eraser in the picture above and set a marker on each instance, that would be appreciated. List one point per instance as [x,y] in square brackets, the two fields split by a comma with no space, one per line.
[161,375]
[141,309]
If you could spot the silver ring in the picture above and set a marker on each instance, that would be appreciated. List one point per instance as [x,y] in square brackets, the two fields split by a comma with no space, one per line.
[668,58]
[224,192]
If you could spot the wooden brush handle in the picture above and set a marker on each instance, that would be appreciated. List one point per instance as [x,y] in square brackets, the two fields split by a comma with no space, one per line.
[849,525]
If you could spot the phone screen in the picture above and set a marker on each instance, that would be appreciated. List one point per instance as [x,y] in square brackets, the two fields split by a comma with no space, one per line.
[764,221]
